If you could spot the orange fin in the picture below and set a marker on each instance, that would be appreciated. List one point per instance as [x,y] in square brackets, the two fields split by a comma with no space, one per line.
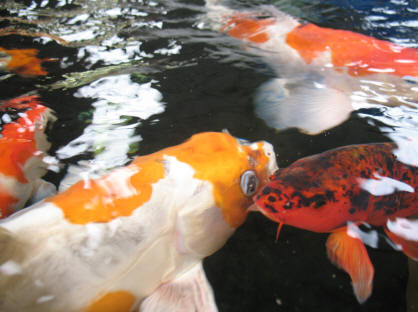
[350,254]
[405,236]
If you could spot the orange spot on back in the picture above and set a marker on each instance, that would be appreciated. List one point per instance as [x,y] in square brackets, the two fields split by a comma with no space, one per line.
[101,200]
[24,62]
[361,54]
[117,301]
[248,28]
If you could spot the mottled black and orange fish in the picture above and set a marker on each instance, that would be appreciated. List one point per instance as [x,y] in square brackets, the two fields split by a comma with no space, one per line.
[335,190]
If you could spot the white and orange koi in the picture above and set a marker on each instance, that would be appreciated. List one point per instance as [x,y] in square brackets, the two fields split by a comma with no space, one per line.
[23,146]
[324,74]
[134,238]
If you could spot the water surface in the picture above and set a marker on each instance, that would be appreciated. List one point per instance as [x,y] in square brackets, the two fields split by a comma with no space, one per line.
[132,77]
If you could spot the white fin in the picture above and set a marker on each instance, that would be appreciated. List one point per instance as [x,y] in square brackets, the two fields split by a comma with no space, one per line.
[305,104]
[190,292]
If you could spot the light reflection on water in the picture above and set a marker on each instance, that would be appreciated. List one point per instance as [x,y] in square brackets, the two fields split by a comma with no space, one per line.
[172,33]
[110,136]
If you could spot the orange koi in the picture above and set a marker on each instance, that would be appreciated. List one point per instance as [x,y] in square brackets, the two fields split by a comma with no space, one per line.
[23,62]
[357,54]
[136,237]
[323,73]
[22,147]
[338,189]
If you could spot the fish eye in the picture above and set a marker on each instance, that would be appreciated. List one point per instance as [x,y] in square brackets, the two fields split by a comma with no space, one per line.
[249,182]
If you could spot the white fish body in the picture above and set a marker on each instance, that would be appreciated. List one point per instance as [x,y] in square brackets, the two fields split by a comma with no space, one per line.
[53,260]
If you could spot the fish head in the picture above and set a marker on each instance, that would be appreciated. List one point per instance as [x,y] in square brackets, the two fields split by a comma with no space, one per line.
[300,199]
[199,190]
[228,172]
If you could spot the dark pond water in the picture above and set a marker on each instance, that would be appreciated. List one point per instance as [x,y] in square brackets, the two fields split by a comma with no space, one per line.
[132,77]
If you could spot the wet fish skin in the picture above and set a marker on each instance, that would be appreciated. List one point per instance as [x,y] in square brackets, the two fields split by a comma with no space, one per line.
[136,237]
[331,185]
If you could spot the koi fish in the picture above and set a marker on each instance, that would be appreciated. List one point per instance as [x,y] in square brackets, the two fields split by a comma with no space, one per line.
[23,62]
[338,189]
[135,237]
[324,73]
[23,146]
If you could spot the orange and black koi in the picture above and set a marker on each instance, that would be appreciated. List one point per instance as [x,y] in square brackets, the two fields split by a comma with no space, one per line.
[352,184]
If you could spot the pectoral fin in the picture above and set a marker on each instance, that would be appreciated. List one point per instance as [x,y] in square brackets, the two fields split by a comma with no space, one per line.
[189,292]
[404,233]
[350,254]
[303,104]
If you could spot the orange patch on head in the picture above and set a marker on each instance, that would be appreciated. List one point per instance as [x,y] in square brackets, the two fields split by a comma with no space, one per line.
[24,62]
[117,301]
[248,28]
[221,160]
[360,54]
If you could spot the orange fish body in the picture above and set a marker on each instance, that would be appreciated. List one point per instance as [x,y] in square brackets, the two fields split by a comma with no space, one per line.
[136,237]
[323,74]
[22,147]
[23,62]
[345,186]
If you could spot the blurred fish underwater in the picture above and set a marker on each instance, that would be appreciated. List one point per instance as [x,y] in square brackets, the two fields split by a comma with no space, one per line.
[130,78]
[324,73]
[23,151]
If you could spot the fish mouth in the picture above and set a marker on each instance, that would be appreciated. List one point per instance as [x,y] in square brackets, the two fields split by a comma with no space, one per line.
[275,216]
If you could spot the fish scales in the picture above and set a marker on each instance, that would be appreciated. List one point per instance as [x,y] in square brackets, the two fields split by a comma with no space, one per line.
[333,180]
[339,189]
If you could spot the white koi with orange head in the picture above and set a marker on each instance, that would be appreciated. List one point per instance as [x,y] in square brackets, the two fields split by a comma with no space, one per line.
[134,238]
